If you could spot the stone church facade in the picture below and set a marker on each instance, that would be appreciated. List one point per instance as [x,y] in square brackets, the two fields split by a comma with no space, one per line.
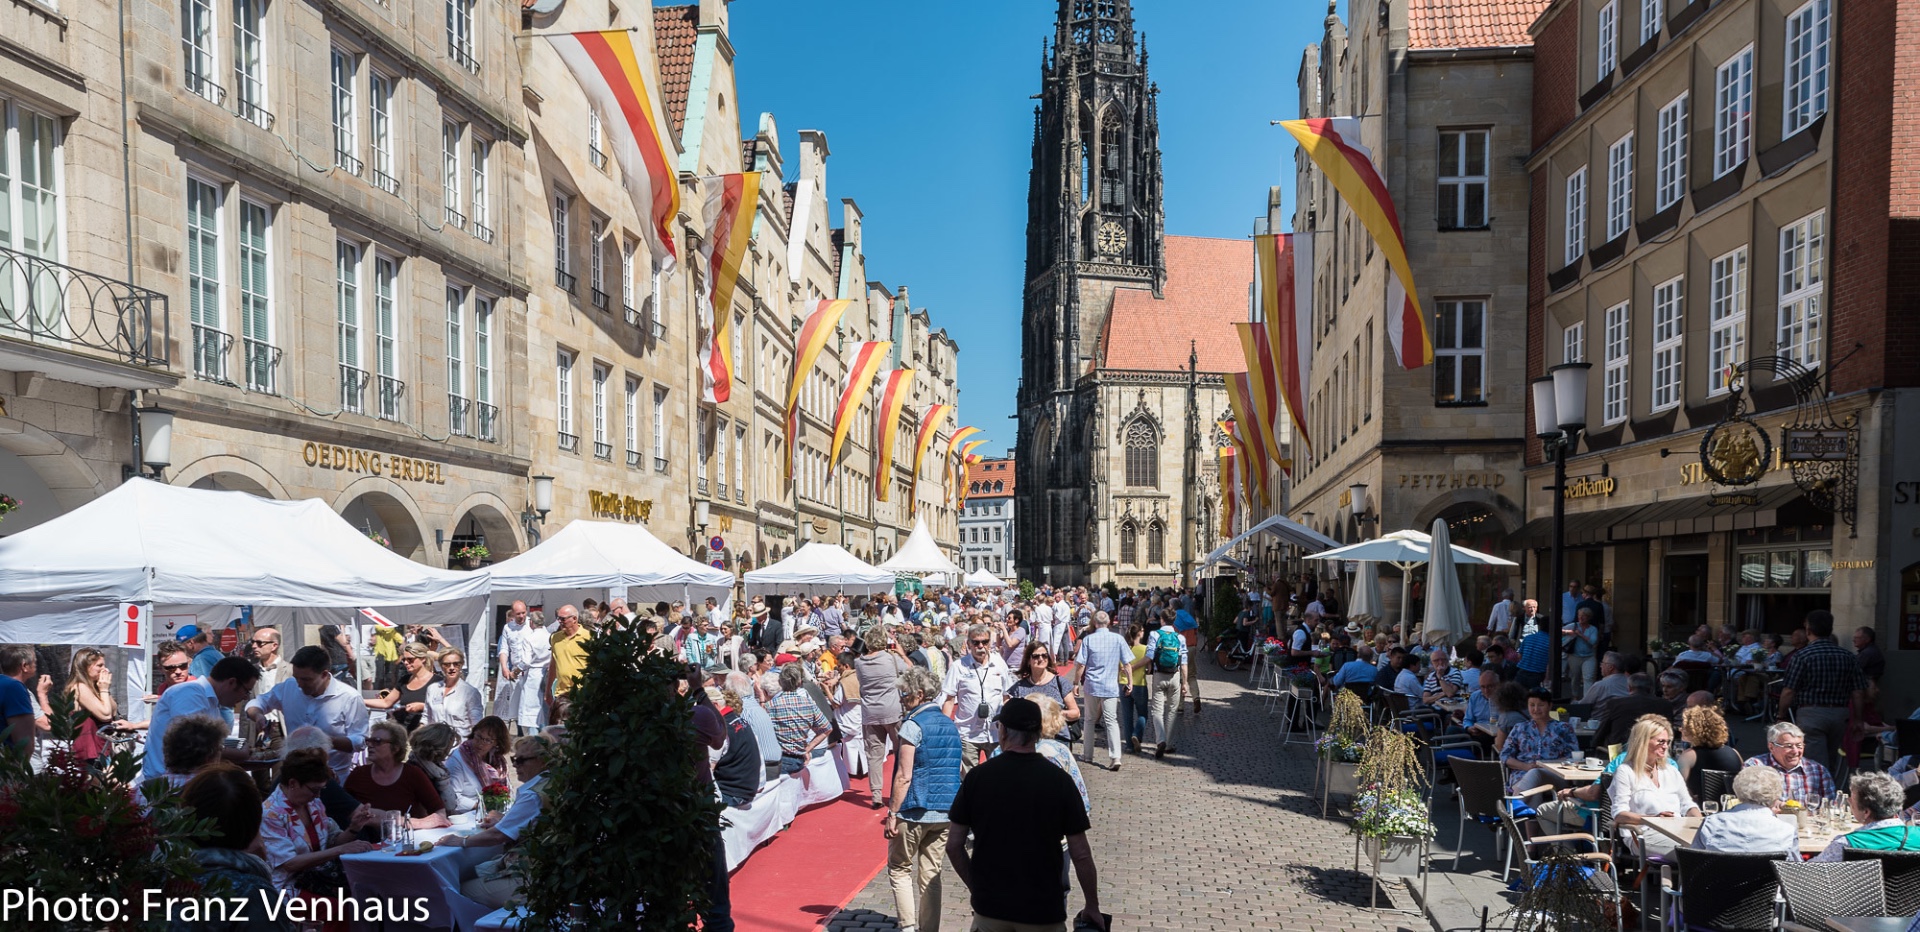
[1126,332]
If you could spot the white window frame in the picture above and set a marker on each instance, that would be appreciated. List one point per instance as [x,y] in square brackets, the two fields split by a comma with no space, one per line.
[1615,397]
[739,462]
[386,331]
[1461,309]
[1574,214]
[346,109]
[1650,20]
[481,213]
[206,293]
[1606,46]
[1468,187]
[450,173]
[456,337]
[600,376]
[1619,187]
[33,206]
[722,431]
[562,221]
[659,428]
[1732,112]
[596,150]
[349,318]
[1670,138]
[482,350]
[1726,317]
[596,259]
[739,344]
[380,130]
[626,276]
[1669,337]
[1802,321]
[461,35]
[254,284]
[563,393]
[633,420]
[1573,342]
[250,62]
[1809,49]
[200,50]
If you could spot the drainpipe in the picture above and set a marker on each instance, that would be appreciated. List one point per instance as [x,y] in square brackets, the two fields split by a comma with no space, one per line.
[126,194]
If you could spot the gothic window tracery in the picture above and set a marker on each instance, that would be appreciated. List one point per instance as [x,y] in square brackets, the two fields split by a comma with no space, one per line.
[1156,543]
[1112,179]
[1142,445]
[1129,543]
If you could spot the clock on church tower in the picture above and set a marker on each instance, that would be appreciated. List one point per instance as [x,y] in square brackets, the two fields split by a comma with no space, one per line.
[1112,239]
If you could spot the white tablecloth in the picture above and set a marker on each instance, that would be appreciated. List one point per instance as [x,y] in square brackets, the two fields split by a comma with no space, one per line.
[435,875]
[772,810]
[828,780]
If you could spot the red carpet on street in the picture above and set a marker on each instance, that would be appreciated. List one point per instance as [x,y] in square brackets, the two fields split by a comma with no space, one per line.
[805,874]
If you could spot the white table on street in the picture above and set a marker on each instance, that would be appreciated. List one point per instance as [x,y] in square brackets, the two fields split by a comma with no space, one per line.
[436,875]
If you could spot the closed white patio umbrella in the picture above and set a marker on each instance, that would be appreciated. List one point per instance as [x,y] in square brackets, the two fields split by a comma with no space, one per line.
[1446,621]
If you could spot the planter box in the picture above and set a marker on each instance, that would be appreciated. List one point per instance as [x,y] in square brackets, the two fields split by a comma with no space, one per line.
[1396,856]
[1340,778]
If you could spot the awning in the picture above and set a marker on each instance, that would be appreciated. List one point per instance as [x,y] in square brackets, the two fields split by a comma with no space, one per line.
[1693,514]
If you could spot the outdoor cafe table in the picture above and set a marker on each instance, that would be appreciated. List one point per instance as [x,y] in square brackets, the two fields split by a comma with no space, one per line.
[387,875]
[1572,773]
[1682,829]
[1868,923]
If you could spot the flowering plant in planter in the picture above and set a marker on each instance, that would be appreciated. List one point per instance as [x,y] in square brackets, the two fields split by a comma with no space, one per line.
[380,539]
[1390,801]
[1346,733]
[494,797]
[8,504]
[472,552]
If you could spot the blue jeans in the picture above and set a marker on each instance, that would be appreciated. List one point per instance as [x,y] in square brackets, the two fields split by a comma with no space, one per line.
[1133,712]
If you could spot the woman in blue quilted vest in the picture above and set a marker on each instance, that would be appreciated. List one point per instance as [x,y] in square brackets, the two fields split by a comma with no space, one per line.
[926,775]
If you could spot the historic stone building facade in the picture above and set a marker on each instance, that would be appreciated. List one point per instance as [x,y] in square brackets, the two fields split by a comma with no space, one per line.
[987,521]
[1113,311]
[1442,91]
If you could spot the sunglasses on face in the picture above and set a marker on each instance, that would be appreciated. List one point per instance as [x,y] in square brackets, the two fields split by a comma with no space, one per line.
[175,667]
[379,740]
[979,643]
[451,664]
[521,760]
[259,643]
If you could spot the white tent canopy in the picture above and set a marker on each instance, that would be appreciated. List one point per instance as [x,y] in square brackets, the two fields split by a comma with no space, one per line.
[203,553]
[819,569]
[981,579]
[1279,526]
[611,558]
[1406,550]
[920,554]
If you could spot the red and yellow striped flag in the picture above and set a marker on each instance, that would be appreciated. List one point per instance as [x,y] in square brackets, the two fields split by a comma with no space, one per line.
[860,374]
[609,69]
[1284,265]
[955,473]
[1334,145]
[1244,461]
[886,426]
[1239,393]
[1264,380]
[1229,494]
[967,458]
[806,351]
[930,424]
[730,203]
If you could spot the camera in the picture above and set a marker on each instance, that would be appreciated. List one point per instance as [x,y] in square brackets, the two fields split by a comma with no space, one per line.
[983,711]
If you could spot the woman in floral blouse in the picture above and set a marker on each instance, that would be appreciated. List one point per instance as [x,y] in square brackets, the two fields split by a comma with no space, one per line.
[1537,739]
[294,827]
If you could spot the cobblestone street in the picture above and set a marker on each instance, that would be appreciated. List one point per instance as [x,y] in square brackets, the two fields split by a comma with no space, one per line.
[1224,835]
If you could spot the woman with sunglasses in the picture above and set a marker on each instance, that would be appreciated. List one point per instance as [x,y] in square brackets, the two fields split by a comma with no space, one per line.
[1037,677]
[1648,784]
[295,830]
[389,784]
[454,701]
[406,701]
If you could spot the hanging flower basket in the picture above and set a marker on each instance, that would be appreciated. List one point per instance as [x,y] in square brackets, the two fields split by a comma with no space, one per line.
[469,557]
[8,505]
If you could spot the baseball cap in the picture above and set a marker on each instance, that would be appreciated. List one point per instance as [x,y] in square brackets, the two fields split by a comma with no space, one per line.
[1020,714]
[187,633]
[785,659]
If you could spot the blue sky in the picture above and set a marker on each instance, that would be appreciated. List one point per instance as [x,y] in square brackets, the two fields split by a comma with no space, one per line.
[927,113]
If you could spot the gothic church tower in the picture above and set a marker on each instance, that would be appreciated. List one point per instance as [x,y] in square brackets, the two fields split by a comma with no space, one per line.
[1094,224]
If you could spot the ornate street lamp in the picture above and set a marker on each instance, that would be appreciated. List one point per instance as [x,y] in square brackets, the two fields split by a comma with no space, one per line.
[1559,415]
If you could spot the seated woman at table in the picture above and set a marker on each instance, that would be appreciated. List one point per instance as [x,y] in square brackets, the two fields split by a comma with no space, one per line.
[1876,800]
[453,700]
[405,701]
[226,797]
[1754,826]
[389,784]
[428,748]
[1537,740]
[1705,732]
[1648,784]
[496,886]
[296,832]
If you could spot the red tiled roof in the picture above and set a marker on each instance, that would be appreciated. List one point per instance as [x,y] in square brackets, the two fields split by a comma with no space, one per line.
[990,472]
[1206,294]
[1471,24]
[674,32]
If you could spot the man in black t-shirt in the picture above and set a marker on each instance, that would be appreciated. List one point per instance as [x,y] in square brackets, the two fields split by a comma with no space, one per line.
[1018,806]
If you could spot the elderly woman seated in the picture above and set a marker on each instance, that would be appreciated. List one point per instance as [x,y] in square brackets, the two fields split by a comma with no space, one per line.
[1754,826]
[1876,799]
[389,784]
[296,831]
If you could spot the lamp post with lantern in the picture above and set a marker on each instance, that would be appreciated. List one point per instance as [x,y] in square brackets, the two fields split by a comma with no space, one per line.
[1559,415]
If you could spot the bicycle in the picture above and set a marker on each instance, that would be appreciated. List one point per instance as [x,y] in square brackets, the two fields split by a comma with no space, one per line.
[1231,653]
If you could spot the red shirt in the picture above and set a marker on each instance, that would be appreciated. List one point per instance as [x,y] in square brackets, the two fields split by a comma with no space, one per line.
[413,793]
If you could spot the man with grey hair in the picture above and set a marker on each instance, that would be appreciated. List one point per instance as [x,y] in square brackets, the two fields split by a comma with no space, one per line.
[1876,800]
[757,719]
[975,689]
[1807,781]
[1501,620]
[1751,827]
[1611,684]
[1097,673]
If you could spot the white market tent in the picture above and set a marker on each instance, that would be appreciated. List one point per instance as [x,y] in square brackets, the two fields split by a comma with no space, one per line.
[176,554]
[603,559]
[981,579]
[1279,526]
[819,569]
[921,555]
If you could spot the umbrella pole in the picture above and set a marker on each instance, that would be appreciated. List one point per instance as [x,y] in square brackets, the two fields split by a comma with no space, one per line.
[1406,577]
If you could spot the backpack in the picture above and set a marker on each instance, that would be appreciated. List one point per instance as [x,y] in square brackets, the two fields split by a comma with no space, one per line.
[1166,652]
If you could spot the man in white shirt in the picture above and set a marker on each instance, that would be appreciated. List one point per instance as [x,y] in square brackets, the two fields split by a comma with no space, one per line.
[1163,684]
[975,689]
[1315,611]
[1042,621]
[1099,660]
[1502,618]
[311,697]
[525,653]
[716,616]
[500,889]
[230,681]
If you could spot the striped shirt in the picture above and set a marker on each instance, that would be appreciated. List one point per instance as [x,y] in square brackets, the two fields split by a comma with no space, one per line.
[1534,652]
[1102,655]
[796,719]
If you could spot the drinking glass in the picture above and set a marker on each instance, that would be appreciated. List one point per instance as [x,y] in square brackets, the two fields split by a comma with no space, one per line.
[1710,807]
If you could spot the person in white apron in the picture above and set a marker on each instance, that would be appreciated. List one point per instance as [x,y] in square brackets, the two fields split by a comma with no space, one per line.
[524,656]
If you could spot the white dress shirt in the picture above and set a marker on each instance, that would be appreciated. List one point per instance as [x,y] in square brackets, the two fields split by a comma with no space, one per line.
[338,711]
[967,684]
[459,710]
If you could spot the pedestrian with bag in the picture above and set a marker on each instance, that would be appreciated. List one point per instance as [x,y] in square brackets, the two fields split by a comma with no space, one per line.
[1165,663]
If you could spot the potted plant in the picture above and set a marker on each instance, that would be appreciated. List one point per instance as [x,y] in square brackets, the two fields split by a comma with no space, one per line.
[469,557]
[1559,895]
[1340,746]
[1392,824]
[380,539]
[8,504]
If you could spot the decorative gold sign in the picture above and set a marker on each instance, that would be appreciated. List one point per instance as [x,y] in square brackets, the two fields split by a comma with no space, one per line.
[619,507]
[1590,486]
[1736,452]
[373,463]
[1853,564]
[726,523]
[1452,480]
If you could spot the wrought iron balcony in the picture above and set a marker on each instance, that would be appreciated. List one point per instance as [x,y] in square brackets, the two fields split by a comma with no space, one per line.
[211,350]
[739,494]
[569,442]
[391,389]
[348,161]
[482,232]
[262,364]
[203,85]
[50,304]
[633,316]
[600,299]
[702,485]
[353,389]
[597,157]
[602,451]
[456,219]
[487,417]
[247,105]
[633,458]
[462,57]
[386,182]
[567,281]
[659,464]
[457,415]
